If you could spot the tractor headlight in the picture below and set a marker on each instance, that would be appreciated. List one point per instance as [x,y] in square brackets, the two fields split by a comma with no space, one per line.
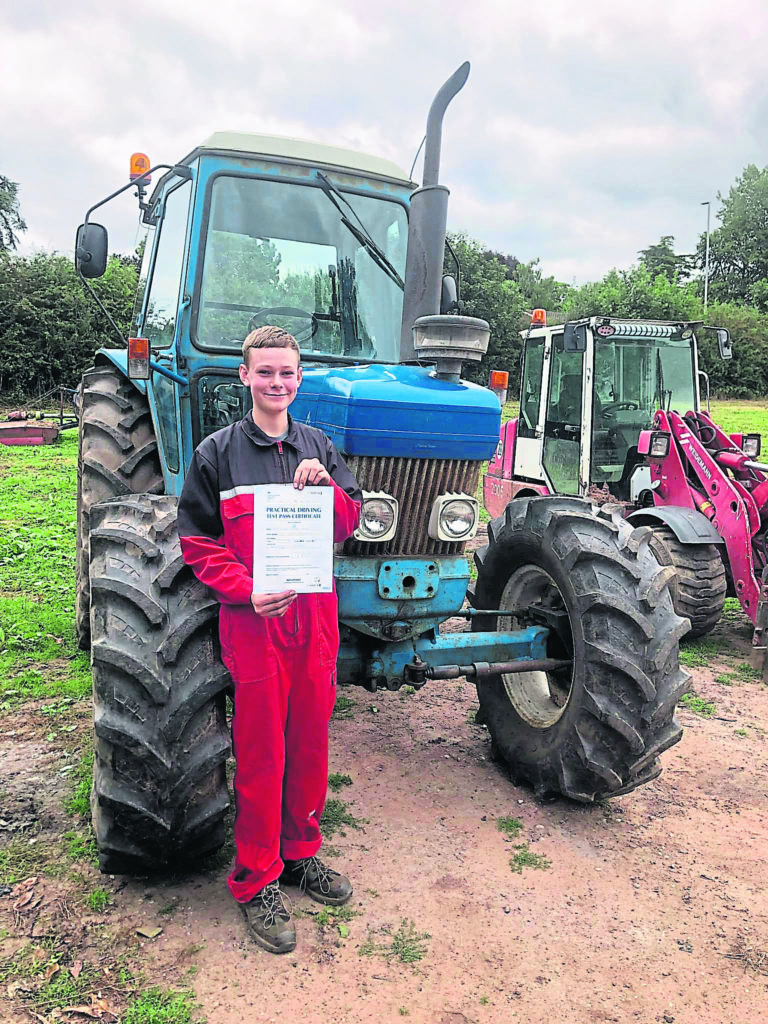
[454,517]
[378,517]
[750,445]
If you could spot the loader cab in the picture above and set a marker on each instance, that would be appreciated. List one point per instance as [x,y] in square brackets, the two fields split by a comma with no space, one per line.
[581,412]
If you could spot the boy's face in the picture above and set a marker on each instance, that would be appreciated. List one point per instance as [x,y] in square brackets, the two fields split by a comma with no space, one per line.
[272,375]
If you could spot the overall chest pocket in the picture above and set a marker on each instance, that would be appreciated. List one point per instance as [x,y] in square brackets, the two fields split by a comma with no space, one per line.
[237,518]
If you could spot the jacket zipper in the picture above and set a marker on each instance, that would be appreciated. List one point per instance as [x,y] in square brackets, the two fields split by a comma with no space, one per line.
[283,465]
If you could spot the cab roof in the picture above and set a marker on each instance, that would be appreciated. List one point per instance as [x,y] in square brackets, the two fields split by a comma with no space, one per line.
[301,150]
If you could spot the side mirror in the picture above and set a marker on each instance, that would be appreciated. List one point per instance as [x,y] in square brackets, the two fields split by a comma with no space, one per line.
[724,343]
[449,296]
[91,250]
[575,338]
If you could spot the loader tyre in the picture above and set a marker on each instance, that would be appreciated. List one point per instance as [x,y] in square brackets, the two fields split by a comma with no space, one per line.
[699,590]
[117,455]
[595,729]
[161,743]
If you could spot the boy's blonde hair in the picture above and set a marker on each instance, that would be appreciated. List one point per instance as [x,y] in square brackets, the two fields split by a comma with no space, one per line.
[269,336]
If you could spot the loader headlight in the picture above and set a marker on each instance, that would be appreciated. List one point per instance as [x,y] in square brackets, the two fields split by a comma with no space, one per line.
[454,517]
[659,446]
[378,517]
[750,445]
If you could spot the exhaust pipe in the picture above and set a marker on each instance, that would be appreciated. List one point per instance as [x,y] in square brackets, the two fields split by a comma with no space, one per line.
[427,223]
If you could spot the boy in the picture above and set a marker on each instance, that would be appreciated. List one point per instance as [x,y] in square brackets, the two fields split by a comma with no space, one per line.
[279,648]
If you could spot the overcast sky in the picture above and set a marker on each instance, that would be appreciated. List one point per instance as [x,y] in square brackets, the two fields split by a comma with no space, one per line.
[584,133]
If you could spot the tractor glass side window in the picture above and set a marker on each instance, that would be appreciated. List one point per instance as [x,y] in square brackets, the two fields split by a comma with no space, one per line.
[221,400]
[159,323]
[144,253]
[165,400]
[562,430]
[530,391]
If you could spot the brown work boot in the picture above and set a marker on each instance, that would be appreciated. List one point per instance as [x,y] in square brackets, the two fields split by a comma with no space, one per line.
[320,882]
[269,920]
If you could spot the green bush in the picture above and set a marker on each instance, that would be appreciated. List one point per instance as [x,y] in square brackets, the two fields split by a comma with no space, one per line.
[49,327]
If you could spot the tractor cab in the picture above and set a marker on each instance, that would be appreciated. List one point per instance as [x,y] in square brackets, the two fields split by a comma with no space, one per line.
[588,390]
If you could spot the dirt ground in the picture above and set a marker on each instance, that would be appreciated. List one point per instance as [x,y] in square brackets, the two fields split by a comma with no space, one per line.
[648,911]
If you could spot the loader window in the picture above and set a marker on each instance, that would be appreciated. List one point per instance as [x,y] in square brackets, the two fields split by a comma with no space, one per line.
[633,378]
[530,388]
[279,252]
[562,429]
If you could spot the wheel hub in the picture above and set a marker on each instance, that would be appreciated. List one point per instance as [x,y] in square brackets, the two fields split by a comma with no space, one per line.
[532,596]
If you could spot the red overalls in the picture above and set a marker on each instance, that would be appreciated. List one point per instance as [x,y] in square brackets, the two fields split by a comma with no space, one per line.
[283,668]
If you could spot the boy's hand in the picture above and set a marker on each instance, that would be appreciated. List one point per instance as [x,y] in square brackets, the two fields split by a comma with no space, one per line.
[272,606]
[310,471]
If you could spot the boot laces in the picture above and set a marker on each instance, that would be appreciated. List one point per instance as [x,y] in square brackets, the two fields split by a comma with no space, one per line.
[323,873]
[275,903]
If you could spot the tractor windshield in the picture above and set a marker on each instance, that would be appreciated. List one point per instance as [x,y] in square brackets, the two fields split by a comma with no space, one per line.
[633,378]
[278,252]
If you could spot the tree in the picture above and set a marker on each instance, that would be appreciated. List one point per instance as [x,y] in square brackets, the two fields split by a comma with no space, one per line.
[636,295]
[488,293]
[49,327]
[738,251]
[540,292]
[662,259]
[11,220]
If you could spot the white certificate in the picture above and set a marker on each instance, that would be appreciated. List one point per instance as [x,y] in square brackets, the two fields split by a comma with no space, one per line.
[292,539]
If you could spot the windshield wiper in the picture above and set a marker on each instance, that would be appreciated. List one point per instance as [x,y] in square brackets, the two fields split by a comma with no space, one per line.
[361,232]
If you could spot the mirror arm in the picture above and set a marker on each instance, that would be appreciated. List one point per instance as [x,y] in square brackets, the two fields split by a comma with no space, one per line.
[103,308]
[180,169]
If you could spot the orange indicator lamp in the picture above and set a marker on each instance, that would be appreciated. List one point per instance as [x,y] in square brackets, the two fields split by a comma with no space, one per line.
[497,382]
[138,358]
[539,318]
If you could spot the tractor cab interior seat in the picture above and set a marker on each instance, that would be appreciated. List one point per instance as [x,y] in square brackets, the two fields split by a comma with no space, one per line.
[568,407]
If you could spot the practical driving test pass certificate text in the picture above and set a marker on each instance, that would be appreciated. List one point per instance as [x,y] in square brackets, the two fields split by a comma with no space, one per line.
[292,539]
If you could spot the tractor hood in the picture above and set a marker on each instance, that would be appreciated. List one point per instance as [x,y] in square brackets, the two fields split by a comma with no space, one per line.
[399,411]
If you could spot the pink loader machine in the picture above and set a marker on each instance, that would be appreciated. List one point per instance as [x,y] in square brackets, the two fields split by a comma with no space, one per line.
[601,418]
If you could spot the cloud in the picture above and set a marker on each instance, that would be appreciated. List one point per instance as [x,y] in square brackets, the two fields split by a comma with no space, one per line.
[584,133]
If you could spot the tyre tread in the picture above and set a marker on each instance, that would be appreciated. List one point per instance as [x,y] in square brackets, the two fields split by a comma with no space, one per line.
[620,599]
[160,791]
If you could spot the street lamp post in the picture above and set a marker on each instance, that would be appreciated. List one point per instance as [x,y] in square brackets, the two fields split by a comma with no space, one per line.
[706,258]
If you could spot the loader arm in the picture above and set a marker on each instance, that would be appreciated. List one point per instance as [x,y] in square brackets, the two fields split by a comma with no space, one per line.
[694,476]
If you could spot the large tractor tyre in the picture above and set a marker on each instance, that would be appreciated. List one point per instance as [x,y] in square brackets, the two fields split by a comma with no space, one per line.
[117,455]
[596,728]
[699,591]
[161,741]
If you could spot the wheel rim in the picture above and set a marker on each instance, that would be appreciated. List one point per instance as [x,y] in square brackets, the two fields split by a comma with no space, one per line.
[539,698]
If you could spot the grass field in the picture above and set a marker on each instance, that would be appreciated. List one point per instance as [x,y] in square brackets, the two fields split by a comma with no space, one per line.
[747,417]
[45,688]
[38,653]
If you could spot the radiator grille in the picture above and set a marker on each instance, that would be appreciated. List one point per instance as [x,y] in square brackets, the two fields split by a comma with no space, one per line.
[415,483]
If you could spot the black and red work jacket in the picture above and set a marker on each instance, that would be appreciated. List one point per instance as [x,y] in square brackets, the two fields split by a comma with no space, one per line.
[215,520]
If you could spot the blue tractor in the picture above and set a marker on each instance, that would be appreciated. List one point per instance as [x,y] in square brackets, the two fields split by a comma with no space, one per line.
[571,636]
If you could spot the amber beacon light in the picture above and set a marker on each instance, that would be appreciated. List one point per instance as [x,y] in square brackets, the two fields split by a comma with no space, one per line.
[139,165]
